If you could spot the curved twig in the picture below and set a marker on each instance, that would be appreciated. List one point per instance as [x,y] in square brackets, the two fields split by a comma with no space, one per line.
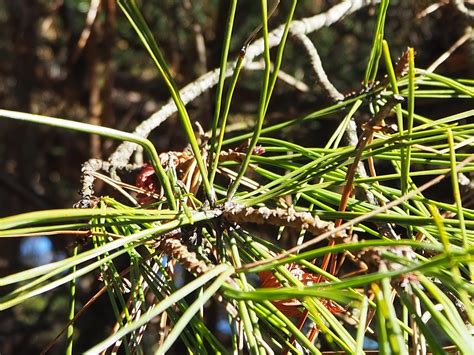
[461,7]
[317,66]
[88,178]
[190,92]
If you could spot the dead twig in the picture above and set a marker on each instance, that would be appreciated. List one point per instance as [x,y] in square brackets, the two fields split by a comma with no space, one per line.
[276,217]
[460,5]
[359,219]
[317,66]
[190,92]
[442,58]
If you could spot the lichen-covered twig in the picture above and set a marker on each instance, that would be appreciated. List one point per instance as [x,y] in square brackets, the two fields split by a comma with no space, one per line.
[277,217]
[171,245]
[461,7]
[190,92]
[87,179]
[177,250]
[317,66]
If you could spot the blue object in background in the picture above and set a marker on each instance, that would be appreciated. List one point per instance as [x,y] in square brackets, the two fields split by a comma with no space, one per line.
[36,251]
[223,326]
[370,344]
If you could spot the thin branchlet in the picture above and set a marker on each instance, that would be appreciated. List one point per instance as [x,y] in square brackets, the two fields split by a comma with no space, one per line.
[237,213]
[174,248]
[88,178]
[207,81]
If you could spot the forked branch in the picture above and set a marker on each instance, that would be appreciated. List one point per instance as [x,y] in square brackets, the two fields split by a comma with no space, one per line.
[190,92]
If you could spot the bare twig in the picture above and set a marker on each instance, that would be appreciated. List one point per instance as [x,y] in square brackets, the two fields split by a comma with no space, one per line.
[317,66]
[87,30]
[87,180]
[431,8]
[88,177]
[460,5]
[190,92]
[174,248]
[463,39]
[277,217]
[365,138]
[352,139]
[285,77]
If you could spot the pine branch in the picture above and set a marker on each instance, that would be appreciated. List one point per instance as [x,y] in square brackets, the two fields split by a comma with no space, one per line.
[277,217]
[190,92]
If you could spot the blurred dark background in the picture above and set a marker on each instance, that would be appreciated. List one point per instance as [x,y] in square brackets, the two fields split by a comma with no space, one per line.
[81,60]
